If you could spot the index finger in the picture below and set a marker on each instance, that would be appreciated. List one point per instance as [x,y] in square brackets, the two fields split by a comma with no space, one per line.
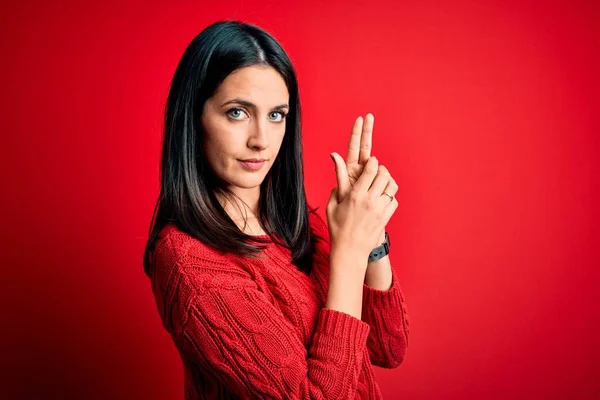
[366,178]
[354,144]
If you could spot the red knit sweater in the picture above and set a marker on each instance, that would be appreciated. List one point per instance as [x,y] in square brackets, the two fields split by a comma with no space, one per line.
[256,328]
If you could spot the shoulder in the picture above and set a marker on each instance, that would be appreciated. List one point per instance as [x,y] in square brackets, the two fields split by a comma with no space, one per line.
[180,256]
[174,246]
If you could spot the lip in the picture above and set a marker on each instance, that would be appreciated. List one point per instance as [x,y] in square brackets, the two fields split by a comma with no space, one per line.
[252,164]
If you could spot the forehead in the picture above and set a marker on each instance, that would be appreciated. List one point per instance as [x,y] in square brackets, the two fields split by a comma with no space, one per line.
[260,84]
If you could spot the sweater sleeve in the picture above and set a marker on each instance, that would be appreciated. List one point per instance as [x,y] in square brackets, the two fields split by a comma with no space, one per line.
[383,310]
[224,323]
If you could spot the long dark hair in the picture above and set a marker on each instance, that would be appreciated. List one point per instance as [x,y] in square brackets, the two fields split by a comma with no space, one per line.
[188,186]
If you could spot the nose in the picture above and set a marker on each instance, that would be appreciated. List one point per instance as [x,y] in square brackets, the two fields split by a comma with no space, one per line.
[259,136]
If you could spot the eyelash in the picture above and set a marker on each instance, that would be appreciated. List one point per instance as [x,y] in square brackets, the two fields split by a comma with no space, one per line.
[283,114]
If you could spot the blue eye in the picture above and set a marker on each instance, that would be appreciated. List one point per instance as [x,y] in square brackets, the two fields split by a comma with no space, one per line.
[279,113]
[236,113]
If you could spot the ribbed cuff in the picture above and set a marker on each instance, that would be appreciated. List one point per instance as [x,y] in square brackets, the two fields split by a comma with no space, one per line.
[339,324]
[383,298]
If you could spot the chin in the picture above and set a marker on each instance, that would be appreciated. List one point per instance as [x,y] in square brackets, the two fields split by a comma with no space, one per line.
[246,182]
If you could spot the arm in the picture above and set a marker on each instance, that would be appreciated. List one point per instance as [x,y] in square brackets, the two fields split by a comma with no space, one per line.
[220,318]
[383,310]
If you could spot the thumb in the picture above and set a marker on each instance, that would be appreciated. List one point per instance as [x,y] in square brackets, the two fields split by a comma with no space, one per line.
[342,175]
[332,203]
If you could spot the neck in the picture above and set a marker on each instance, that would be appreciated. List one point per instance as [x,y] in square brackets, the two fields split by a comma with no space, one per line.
[242,205]
[242,208]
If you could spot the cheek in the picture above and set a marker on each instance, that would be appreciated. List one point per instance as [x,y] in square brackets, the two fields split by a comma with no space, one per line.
[214,138]
[217,153]
[278,139]
[221,151]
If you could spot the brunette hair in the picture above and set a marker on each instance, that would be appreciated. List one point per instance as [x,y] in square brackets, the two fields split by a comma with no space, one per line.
[188,186]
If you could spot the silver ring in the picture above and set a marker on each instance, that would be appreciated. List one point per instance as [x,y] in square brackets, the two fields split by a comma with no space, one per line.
[388,195]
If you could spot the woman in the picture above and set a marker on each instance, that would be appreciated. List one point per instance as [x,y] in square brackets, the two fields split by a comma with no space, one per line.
[261,297]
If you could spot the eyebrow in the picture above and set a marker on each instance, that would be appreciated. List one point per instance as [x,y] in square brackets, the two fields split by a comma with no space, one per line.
[249,104]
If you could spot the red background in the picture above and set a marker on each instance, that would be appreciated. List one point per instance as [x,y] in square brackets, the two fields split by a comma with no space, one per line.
[486,113]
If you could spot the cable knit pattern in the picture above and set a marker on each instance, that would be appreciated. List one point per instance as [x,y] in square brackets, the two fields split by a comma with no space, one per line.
[256,328]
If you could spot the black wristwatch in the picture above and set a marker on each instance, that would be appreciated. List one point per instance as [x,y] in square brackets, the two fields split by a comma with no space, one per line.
[381,251]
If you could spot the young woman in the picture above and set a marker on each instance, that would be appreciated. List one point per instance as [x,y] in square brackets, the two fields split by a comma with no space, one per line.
[262,298]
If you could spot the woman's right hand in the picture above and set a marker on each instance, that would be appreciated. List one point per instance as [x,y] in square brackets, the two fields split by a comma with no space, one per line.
[356,223]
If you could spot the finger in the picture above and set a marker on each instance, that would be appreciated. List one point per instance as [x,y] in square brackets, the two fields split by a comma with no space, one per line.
[332,202]
[379,184]
[368,175]
[389,210]
[341,173]
[354,144]
[392,189]
[366,140]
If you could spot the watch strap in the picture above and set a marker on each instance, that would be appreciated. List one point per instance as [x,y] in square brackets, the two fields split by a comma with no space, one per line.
[380,251]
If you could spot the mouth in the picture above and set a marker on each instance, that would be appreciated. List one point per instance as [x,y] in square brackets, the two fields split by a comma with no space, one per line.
[252,164]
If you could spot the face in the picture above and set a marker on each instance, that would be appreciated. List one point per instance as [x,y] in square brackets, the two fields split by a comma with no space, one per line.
[245,121]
